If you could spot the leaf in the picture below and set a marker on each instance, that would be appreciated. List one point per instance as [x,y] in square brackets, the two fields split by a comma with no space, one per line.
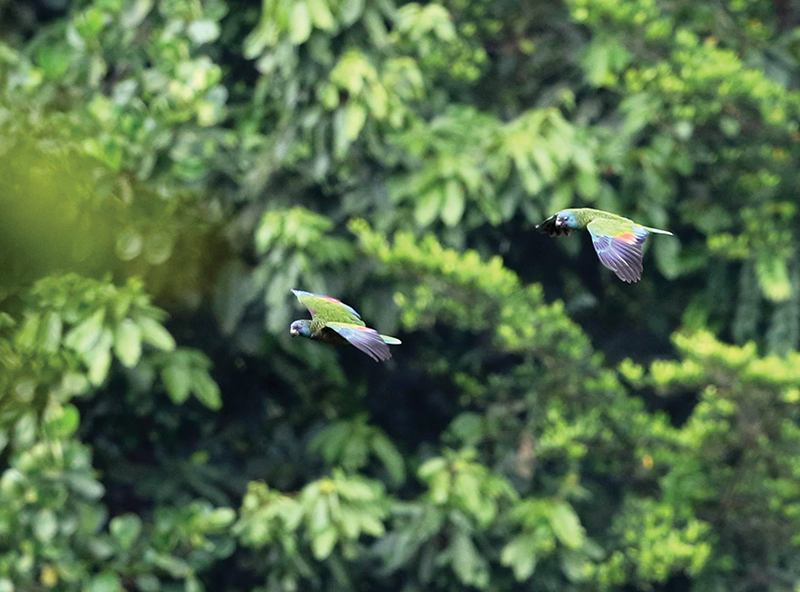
[319,520]
[192,585]
[378,101]
[25,431]
[128,343]
[203,31]
[126,529]
[177,379]
[135,12]
[350,11]
[773,277]
[85,485]
[468,565]
[53,60]
[99,366]
[50,332]
[390,457]
[299,22]
[105,582]
[340,139]
[372,525]
[572,565]
[454,202]
[221,518]
[354,490]
[431,467]
[155,334]
[544,162]
[427,206]
[520,556]
[130,241]
[468,427]
[205,389]
[467,486]
[64,422]
[355,117]
[174,566]
[440,487]
[147,583]
[566,525]
[45,525]
[29,331]
[595,62]
[321,14]
[330,441]
[83,336]
[323,543]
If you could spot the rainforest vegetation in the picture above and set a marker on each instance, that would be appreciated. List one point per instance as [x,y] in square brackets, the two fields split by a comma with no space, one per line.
[170,170]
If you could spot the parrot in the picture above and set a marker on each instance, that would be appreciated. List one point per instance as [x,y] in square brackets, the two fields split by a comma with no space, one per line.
[617,240]
[333,321]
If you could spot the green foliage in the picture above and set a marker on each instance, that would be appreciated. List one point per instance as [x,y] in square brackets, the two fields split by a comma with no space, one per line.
[170,170]
[326,520]
[349,443]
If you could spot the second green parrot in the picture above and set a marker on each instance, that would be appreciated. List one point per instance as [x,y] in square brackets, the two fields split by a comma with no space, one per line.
[332,321]
[617,240]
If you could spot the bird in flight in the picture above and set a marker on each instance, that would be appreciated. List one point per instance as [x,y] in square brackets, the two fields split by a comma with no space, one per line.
[617,240]
[332,321]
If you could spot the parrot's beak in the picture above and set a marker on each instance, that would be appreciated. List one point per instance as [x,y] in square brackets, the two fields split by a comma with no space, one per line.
[558,223]
[294,332]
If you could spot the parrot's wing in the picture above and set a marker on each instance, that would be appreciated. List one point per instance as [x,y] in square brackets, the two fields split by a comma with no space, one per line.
[325,308]
[367,340]
[619,246]
[549,226]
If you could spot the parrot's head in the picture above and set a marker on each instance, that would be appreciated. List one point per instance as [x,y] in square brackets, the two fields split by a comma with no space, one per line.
[300,328]
[567,219]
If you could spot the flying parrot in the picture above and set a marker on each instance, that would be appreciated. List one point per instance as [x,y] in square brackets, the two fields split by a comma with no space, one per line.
[617,240]
[332,321]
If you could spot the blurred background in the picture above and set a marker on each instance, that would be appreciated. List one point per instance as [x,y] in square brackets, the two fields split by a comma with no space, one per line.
[170,170]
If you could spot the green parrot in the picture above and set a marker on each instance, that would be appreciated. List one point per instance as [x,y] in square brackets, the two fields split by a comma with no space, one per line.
[617,240]
[332,321]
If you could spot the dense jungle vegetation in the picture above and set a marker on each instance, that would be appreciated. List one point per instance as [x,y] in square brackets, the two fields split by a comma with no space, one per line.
[170,169]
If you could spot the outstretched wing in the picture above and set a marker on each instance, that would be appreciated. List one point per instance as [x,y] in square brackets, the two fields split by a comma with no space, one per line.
[366,339]
[549,226]
[619,246]
[325,308]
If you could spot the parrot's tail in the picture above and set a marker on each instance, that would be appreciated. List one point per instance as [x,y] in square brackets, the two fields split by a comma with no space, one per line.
[391,340]
[657,231]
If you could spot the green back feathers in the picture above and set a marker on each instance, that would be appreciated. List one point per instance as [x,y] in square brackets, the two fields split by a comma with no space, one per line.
[326,309]
[586,215]
[611,226]
[615,222]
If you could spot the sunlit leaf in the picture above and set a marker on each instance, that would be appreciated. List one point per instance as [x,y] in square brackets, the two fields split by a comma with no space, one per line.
[299,22]
[323,543]
[454,202]
[126,529]
[566,525]
[128,342]
[155,334]
[427,206]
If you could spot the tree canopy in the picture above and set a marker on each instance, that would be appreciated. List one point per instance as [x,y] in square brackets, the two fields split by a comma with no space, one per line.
[170,170]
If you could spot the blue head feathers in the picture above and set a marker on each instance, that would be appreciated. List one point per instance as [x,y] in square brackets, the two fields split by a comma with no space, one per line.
[300,328]
[567,219]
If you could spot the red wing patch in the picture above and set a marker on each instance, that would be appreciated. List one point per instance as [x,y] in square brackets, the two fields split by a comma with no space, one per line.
[627,237]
